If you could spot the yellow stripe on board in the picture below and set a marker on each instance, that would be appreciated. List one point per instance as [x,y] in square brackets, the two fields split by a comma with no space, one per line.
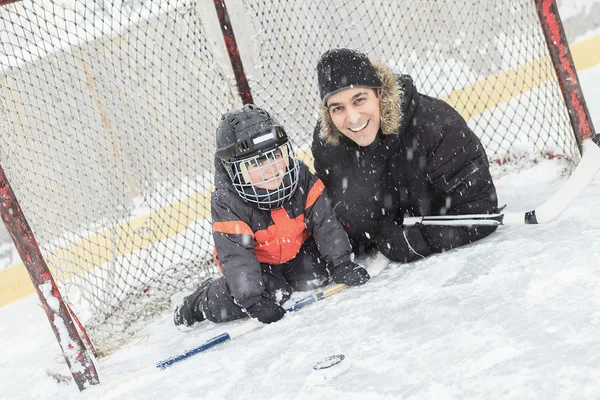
[14,284]
[175,218]
[85,254]
[499,89]
[139,233]
[473,100]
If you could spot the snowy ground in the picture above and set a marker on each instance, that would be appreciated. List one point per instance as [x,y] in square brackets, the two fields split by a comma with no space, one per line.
[515,316]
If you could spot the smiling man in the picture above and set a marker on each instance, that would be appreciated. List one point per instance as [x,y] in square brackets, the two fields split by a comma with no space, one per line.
[356,112]
[384,151]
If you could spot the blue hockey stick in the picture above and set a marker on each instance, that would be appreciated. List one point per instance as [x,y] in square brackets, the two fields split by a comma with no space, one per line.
[248,327]
[252,324]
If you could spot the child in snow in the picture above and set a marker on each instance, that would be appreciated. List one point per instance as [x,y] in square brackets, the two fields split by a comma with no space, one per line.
[273,228]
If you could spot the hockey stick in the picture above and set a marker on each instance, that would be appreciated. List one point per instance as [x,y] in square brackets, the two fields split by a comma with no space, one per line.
[552,208]
[239,330]
[381,264]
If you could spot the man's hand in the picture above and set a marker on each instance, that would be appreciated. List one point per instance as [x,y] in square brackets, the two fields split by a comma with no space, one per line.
[349,273]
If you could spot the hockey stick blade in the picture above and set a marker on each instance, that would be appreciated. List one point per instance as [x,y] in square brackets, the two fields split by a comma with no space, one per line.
[582,176]
[251,325]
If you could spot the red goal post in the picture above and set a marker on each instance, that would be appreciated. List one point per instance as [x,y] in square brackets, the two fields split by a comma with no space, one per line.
[107,118]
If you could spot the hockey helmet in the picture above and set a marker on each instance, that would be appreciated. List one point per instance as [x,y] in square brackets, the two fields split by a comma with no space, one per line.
[251,144]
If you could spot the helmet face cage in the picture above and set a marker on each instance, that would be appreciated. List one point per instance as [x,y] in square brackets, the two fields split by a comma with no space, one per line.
[267,168]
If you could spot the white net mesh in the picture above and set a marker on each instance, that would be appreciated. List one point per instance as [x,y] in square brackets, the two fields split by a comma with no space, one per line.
[489,61]
[108,111]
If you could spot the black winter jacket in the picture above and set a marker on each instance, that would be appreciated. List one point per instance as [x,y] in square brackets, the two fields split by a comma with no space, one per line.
[425,161]
[246,236]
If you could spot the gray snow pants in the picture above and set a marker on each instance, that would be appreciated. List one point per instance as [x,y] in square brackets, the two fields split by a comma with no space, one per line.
[305,272]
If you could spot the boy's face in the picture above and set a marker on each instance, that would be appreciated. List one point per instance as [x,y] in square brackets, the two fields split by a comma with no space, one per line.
[356,113]
[267,172]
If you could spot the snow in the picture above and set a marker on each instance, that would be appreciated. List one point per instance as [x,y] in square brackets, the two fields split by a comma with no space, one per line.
[571,8]
[8,252]
[514,316]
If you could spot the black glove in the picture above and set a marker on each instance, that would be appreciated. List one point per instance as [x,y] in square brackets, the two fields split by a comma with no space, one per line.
[349,273]
[391,224]
[402,244]
[265,310]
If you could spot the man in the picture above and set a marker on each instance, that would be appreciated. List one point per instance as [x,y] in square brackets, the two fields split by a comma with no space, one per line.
[384,151]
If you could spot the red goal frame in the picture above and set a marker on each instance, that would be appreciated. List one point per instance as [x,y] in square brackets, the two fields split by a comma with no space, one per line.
[73,347]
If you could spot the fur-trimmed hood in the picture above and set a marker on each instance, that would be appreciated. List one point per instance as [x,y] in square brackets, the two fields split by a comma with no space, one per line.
[392,96]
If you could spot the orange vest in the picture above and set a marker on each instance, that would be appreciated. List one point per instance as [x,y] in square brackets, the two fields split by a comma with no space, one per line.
[280,242]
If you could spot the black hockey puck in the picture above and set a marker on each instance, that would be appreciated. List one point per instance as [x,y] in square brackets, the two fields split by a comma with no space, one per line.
[329,362]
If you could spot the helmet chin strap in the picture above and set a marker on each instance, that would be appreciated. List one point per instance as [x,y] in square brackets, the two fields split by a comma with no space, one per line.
[285,154]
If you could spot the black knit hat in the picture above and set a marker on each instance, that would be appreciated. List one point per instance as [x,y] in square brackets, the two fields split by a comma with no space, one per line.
[340,69]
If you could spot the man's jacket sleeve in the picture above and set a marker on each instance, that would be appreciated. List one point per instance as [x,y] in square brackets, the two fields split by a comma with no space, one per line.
[234,244]
[456,166]
[458,170]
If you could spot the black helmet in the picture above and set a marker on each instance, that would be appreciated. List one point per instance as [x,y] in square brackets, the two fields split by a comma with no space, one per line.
[249,137]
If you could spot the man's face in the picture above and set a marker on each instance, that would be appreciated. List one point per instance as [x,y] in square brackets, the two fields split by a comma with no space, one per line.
[267,172]
[356,113]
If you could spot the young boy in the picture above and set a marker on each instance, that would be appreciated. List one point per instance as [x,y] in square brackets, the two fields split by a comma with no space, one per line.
[273,228]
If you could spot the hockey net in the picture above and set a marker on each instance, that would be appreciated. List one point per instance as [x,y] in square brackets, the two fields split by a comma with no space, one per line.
[108,111]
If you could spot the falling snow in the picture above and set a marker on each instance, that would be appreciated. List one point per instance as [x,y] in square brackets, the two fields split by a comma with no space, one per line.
[514,316]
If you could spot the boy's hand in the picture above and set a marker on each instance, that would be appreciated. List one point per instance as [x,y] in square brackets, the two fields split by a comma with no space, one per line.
[266,311]
[349,273]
